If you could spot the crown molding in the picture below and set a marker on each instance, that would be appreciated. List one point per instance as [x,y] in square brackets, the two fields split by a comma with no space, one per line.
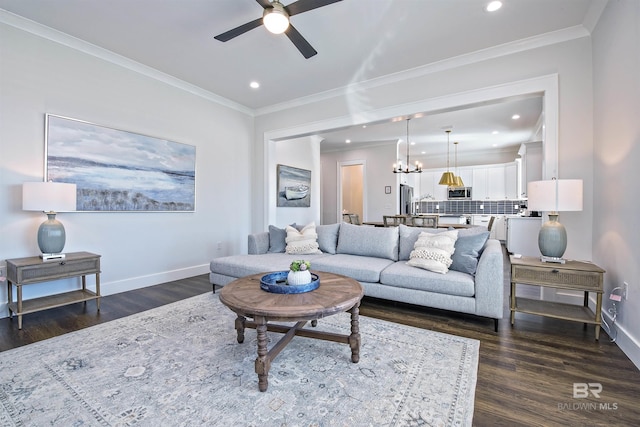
[542,40]
[493,52]
[75,43]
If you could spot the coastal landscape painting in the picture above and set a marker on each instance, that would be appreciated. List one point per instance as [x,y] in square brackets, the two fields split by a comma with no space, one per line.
[116,170]
[294,187]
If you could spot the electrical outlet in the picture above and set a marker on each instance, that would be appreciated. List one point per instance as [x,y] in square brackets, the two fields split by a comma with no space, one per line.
[3,270]
[626,290]
[219,246]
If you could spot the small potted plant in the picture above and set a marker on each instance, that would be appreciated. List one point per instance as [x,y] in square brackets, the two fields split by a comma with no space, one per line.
[299,273]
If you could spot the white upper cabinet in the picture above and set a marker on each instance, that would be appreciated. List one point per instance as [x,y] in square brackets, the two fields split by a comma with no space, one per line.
[495,182]
[530,165]
[429,179]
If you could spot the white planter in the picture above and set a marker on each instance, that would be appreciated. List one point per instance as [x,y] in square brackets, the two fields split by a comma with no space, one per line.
[299,277]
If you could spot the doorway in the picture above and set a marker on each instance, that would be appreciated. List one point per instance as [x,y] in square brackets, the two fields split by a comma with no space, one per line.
[351,189]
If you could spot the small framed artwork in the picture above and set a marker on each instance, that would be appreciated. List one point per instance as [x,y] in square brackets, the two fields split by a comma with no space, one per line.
[387,189]
[294,187]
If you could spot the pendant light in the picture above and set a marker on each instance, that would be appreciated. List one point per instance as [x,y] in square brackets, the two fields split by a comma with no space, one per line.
[448,178]
[398,168]
[458,178]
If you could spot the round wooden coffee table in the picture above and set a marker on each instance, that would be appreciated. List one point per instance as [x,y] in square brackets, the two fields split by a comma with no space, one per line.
[336,294]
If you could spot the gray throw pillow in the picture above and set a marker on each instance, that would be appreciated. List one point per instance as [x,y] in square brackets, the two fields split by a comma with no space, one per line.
[277,238]
[368,241]
[467,251]
[328,237]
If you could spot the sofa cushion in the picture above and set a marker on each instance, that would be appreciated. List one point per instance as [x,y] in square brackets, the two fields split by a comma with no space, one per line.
[467,251]
[328,237]
[360,268]
[433,251]
[376,242]
[402,275]
[302,242]
[277,239]
[409,236]
[245,265]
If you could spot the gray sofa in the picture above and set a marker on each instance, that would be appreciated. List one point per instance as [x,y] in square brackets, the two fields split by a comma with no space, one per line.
[377,258]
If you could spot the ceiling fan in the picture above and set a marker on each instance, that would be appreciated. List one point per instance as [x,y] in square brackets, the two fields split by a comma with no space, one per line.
[276,19]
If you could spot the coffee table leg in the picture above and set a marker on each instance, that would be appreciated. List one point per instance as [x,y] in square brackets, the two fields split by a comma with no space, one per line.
[240,320]
[354,338]
[262,362]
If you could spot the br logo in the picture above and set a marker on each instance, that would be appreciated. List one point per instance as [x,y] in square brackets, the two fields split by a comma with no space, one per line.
[582,390]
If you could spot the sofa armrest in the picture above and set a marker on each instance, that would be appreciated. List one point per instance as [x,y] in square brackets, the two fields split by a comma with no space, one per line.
[490,281]
[258,243]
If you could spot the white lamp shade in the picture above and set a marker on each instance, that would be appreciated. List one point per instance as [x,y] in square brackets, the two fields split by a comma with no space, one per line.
[556,195]
[48,196]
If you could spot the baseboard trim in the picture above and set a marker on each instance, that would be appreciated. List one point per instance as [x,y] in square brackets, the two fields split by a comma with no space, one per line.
[627,343]
[133,283]
[624,340]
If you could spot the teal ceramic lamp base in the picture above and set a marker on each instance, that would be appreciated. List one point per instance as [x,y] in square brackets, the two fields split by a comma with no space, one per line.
[51,238]
[552,240]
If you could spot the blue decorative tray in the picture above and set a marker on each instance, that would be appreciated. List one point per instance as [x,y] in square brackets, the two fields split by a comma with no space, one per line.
[277,283]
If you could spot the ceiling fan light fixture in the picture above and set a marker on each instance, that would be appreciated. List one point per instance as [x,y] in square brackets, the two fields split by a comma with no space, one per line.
[275,19]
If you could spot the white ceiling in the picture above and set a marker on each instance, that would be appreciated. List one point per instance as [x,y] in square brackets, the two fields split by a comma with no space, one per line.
[356,40]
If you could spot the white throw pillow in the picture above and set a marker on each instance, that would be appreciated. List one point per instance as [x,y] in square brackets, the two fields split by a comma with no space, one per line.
[303,242]
[433,251]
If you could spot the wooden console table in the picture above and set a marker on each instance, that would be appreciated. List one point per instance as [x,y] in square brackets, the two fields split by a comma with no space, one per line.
[26,271]
[573,275]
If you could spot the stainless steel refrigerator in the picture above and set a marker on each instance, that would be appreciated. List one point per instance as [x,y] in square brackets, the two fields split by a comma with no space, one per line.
[406,198]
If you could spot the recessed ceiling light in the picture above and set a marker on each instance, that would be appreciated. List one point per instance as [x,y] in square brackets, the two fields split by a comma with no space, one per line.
[515,116]
[413,143]
[493,6]
[348,141]
[254,85]
[364,126]
[495,132]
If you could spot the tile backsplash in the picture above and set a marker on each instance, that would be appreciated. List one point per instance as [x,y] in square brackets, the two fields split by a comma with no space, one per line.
[506,207]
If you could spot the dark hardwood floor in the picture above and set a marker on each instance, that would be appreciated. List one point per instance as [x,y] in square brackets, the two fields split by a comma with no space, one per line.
[526,373]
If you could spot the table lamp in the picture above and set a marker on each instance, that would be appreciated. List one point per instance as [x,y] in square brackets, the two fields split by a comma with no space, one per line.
[49,197]
[553,196]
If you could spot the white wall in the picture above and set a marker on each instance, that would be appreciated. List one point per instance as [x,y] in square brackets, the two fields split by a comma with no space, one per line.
[570,60]
[39,76]
[616,87]
[378,164]
[302,153]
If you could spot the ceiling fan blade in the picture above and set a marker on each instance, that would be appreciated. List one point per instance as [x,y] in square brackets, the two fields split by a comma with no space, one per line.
[306,5]
[301,43]
[264,3]
[226,36]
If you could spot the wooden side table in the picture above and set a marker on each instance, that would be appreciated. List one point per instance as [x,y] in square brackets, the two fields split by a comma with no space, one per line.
[25,271]
[573,275]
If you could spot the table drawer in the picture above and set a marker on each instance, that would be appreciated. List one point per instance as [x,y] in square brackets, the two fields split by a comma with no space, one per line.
[558,277]
[53,270]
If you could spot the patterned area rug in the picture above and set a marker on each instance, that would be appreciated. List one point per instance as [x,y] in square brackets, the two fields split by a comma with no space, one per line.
[180,365]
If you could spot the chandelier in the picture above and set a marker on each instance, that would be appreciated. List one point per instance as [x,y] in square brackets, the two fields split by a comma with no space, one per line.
[398,168]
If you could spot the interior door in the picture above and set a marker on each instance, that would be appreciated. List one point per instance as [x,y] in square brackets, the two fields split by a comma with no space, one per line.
[351,189]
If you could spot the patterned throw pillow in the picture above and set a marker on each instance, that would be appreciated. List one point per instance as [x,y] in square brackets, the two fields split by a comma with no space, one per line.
[433,251]
[303,242]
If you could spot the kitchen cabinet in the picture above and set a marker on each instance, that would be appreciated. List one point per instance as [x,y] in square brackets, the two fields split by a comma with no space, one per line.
[498,229]
[495,182]
[522,235]
[511,181]
[429,184]
[530,165]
